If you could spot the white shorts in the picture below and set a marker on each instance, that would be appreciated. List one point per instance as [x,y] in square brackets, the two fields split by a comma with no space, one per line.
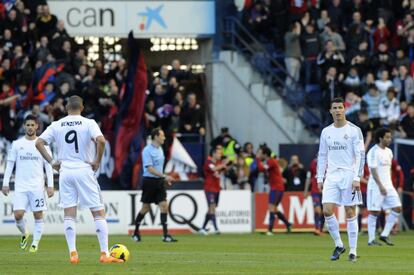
[30,200]
[377,202]
[337,189]
[79,186]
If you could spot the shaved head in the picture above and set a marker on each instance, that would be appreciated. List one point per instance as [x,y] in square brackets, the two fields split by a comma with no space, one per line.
[75,103]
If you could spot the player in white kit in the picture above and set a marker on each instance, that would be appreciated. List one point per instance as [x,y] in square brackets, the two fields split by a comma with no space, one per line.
[29,187]
[381,192]
[342,156]
[80,146]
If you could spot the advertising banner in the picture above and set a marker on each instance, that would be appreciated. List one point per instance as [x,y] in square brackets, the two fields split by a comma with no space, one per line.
[145,18]
[187,212]
[297,209]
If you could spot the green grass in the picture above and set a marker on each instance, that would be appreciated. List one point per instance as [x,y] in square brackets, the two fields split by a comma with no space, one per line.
[221,254]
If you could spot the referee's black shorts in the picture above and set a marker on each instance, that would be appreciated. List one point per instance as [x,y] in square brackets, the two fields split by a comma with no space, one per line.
[153,190]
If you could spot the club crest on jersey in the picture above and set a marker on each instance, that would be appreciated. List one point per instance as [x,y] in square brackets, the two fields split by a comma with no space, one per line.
[346,137]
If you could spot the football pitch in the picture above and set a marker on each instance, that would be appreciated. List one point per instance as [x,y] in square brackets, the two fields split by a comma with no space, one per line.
[213,254]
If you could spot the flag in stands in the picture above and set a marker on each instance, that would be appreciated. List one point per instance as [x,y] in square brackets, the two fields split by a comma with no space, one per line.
[130,130]
[180,165]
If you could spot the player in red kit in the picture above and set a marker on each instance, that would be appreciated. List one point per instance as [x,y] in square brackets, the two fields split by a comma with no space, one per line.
[213,167]
[277,186]
[316,197]
[397,176]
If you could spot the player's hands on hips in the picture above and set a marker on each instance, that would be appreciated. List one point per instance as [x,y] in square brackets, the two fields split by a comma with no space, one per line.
[50,192]
[94,164]
[320,185]
[56,165]
[356,185]
[5,190]
[382,190]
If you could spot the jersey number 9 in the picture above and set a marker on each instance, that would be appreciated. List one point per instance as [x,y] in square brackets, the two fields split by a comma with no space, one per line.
[72,137]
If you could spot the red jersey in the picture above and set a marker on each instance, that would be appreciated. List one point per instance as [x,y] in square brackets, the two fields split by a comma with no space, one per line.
[274,174]
[312,170]
[212,178]
[397,174]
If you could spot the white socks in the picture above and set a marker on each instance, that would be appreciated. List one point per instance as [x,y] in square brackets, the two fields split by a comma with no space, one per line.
[372,227]
[70,233]
[102,233]
[352,229]
[38,230]
[389,223]
[21,225]
[333,228]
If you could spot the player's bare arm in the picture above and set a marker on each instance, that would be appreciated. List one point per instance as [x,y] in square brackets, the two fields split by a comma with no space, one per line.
[40,145]
[100,148]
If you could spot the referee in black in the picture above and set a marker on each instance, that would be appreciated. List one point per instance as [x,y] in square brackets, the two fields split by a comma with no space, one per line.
[153,184]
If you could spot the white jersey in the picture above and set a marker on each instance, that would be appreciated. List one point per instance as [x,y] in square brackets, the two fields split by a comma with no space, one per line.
[381,159]
[29,162]
[341,149]
[75,138]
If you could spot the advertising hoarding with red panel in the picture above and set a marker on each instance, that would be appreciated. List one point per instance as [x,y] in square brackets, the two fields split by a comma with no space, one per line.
[297,209]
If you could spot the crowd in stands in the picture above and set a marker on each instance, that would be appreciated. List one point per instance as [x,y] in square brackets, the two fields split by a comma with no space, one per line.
[359,49]
[41,65]
[242,167]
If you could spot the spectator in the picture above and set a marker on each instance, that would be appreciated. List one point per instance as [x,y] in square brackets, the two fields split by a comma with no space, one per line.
[360,58]
[401,59]
[177,72]
[335,11]
[330,57]
[175,124]
[323,20]
[248,153]
[404,85]
[407,123]
[151,114]
[353,103]
[356,35]
[46,22]
[352,80]
[331,88]
[373,99]
[381,34]
[258,18]
[382,59]
[384,83]
[366,126]
[295,175]
[329,34]
[219,140]
[389,109]
[293,54]
[310,47]
[193,116]
[242,171]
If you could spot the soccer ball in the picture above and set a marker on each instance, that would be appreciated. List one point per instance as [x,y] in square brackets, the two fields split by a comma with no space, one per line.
[119,251]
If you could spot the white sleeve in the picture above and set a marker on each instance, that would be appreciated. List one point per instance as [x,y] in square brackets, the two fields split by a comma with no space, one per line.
[372,158]
[8,173]
[359,154]
[47,135]
[322,158]
[48,169]
[12,155]
[94,129]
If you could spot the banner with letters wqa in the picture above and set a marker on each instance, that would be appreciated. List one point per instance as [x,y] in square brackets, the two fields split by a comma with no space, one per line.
[187,212]
[145,18]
